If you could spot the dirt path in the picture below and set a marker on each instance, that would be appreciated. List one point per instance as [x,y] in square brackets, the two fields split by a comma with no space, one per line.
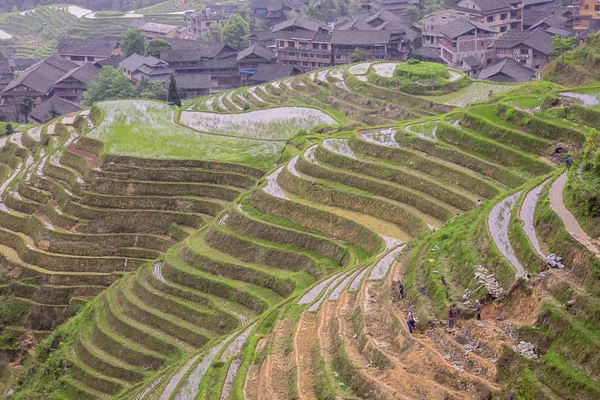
[571,225]
[274,376]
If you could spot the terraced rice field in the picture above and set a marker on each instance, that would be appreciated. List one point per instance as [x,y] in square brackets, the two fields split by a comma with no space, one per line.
[281,281]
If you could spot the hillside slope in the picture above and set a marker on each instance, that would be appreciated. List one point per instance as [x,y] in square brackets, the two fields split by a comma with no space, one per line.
[288,289]
[581,66]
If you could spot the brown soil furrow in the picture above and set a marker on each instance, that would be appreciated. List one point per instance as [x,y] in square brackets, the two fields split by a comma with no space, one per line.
[305,338]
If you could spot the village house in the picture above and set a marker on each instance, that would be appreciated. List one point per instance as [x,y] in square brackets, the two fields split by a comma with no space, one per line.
[72,84]
[250,59]
[430,27]
[6,72]
[506,70]
[303,43]
[498,15]
[397,7]
[187,60]
[154,30]
[197,22]
[377,45]
[273,12]
[52,108]
[529,48]
[464,38]
[584,12]
[136,68]
[82,50]
[37,82]
[268,72]
[192,85]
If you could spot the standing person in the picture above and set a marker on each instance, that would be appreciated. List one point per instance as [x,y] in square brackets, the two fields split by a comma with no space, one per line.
[568,161]
[410,321]
[401,289]
[478,309]
[450,317]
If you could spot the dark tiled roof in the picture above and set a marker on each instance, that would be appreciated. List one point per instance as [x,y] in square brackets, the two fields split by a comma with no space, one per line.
[360,38]
[52,108]
[101,48]
[5,67]
[538,39]
[8,52]
[135,62]
[471,61]
[508,67]
[83,73]
[257,51]
[227,62]
[41,76]
[203,50]
[491,5]
[192,81]
[561,32]
[426,52]
[383,15]
[305,24]
[21,64]
[269,72]
[359,25]
[183,44]
[461,26]
[113,61]
[286,35]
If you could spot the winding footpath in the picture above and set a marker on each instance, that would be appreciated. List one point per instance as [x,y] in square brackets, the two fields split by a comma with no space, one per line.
[571,225]
[527,213]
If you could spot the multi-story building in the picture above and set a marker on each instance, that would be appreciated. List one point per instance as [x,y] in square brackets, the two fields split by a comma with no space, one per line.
[136,68]
[462,40]
[529,48]
[430,27]
[397,7]
[498,15]
[199,21]
[585,11]
[377,45]
[154,30]
[305,44]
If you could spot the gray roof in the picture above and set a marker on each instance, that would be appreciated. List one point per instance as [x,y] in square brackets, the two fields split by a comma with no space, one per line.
[360,38]
[461,26]
[426,52]
[471,61]
[538,39]
[183,44]
[383,15]
[52,108]
[83,73]
[41,76]
[269,72]
[135,62]
[113,61]
[156,27]
[490,5]
[561,32]
[203,50]
[192,81]
[5,67]
[258,51]
[509,68]
[358,25]
[8,52]
[98,48]
[300,23]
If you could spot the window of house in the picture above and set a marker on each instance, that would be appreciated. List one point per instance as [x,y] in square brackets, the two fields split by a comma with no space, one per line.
[77,58]
[524,51]
[290,44]
[503,29]
[291,53]
[324,46]
[490,18]
[337,57]
[305,64]
[597,7]
[503,16]
[314,64]
[587,7]
[304,55]
[315,45]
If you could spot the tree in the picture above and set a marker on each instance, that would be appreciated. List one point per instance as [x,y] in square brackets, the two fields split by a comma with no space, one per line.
[173,96]
[560,45]
[413,14]
[153,90]
[25,105]
[133,41]
[235,31]
[358,55]
[108,84]
[155,46]
[213,33]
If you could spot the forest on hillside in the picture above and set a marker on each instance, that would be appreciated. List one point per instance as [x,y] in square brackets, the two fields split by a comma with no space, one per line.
[96,5]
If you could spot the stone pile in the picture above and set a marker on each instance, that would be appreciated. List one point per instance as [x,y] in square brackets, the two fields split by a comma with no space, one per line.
[488,281]
[554,261]
[526,349]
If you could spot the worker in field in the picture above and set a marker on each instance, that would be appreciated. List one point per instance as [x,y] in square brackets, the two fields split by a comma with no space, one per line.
[410,321]
[478,309]
[450,317]
[401,289]
[568,161]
